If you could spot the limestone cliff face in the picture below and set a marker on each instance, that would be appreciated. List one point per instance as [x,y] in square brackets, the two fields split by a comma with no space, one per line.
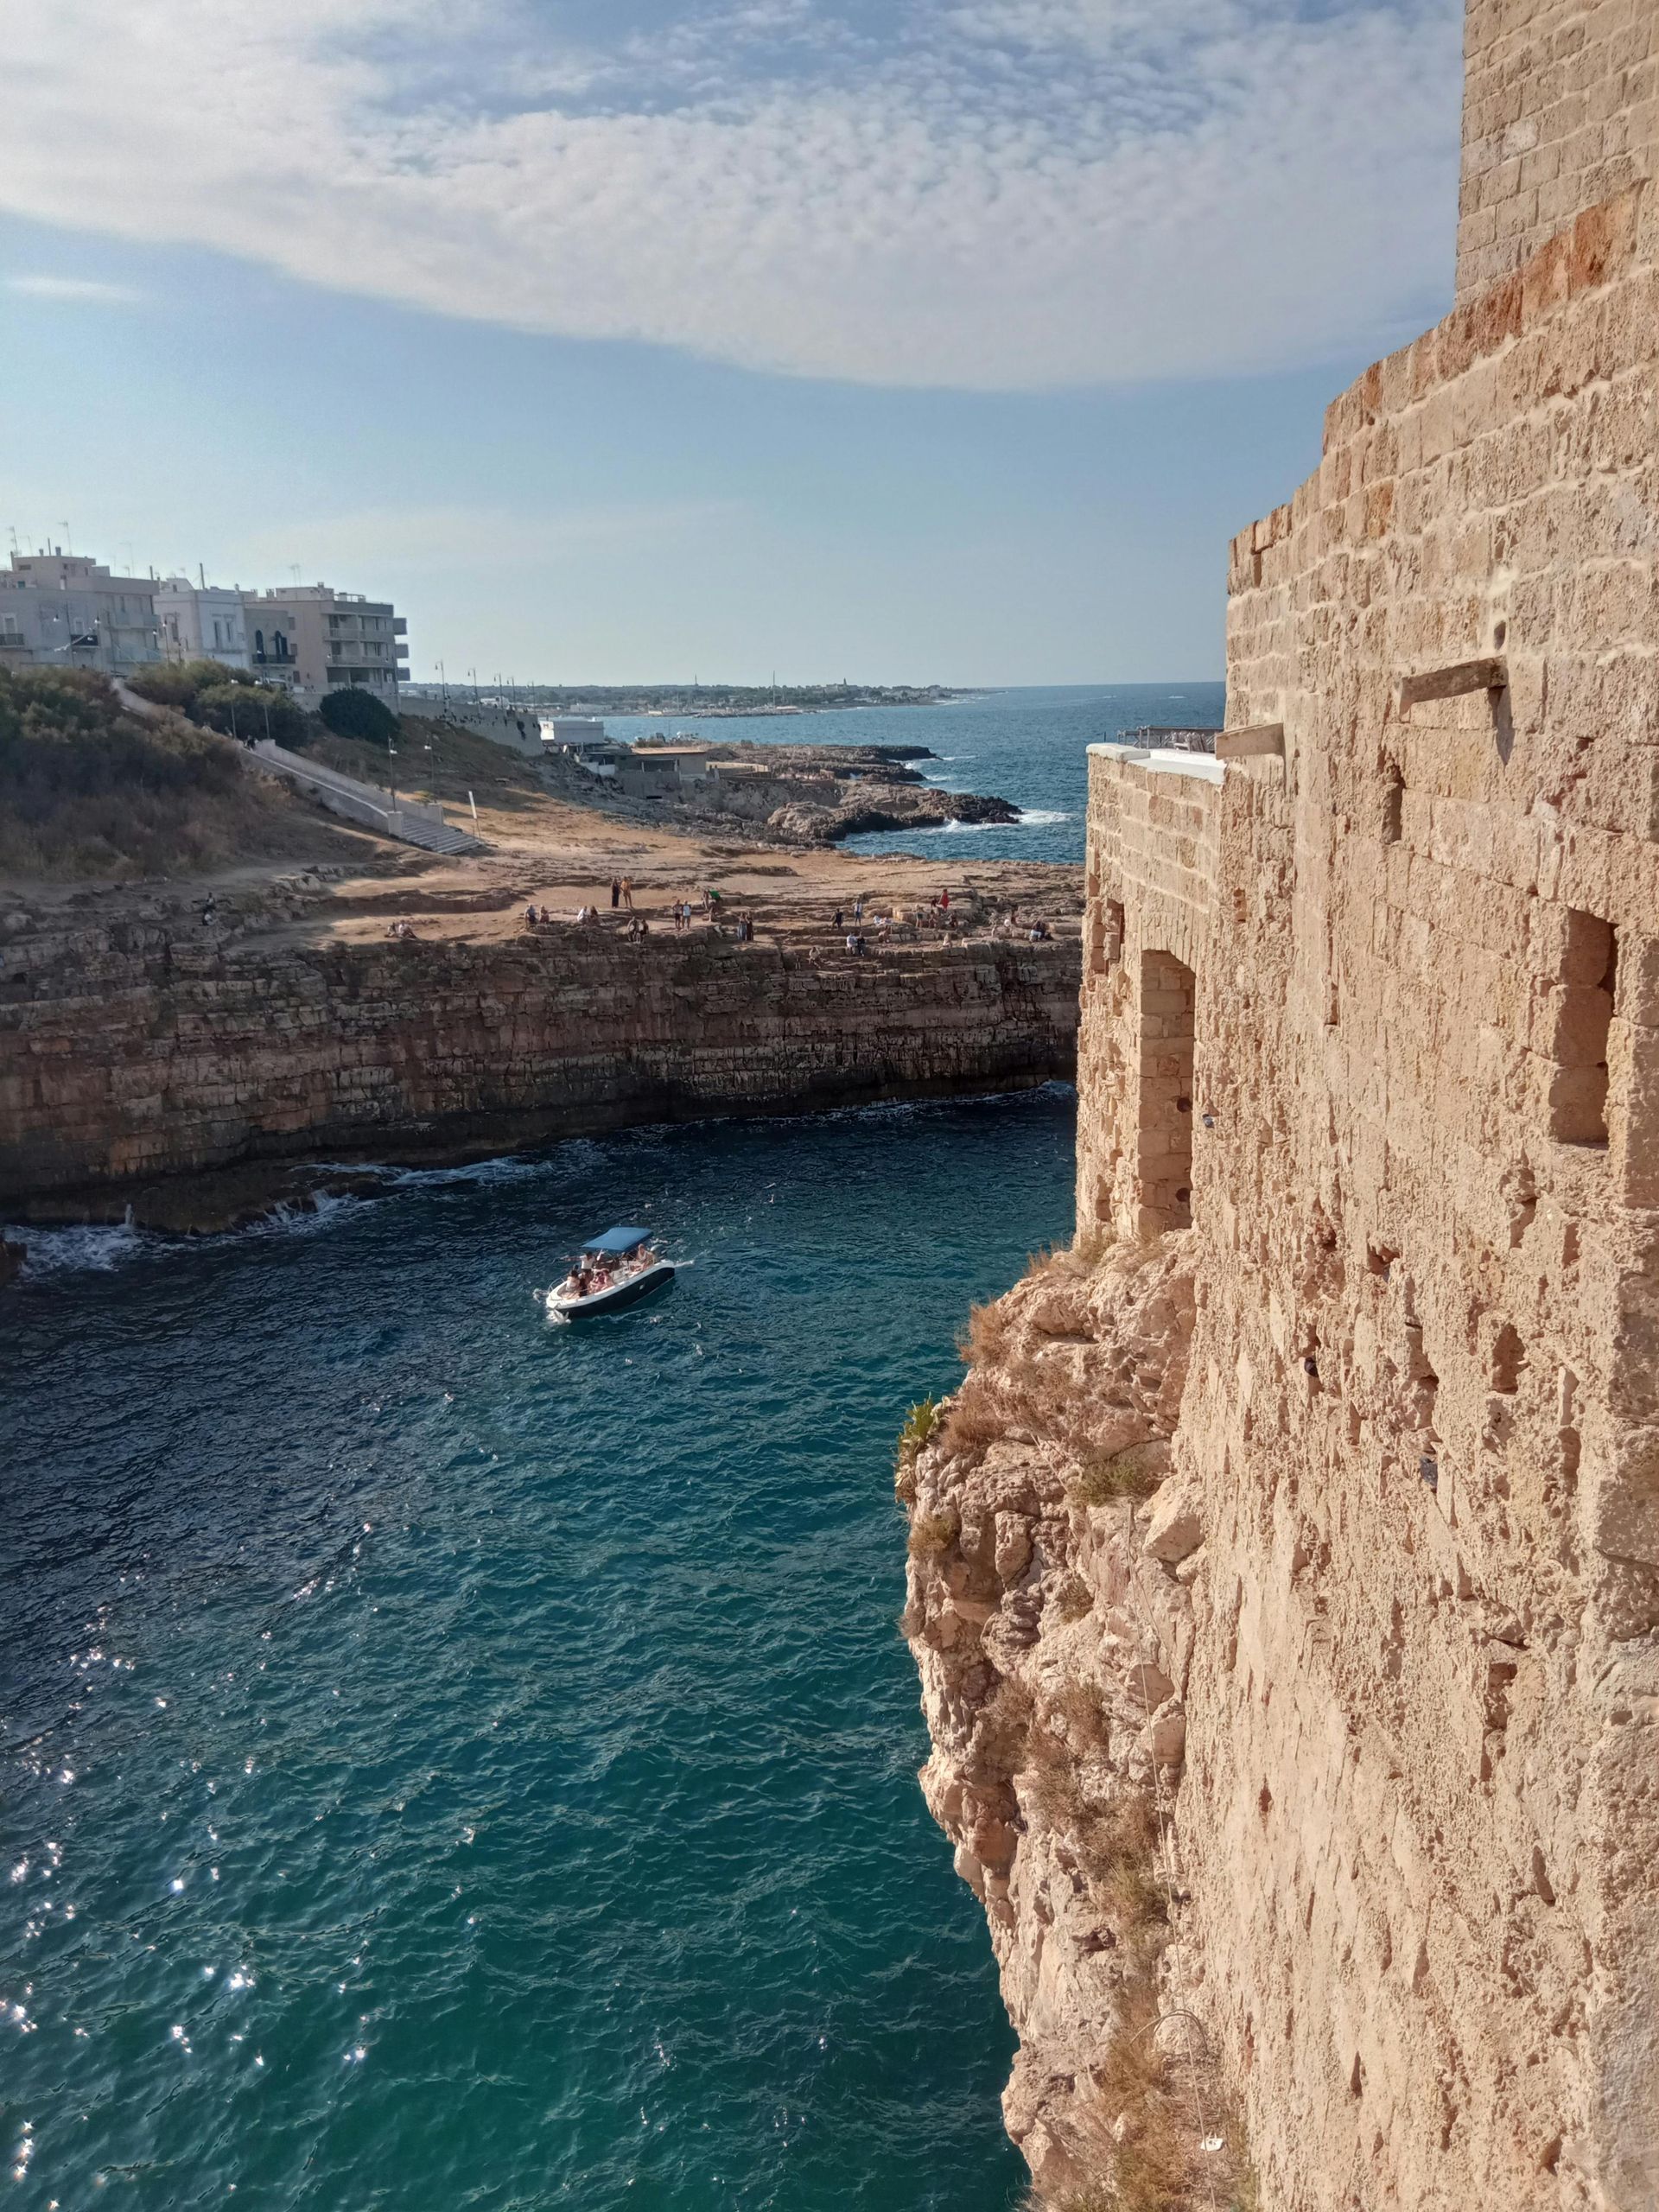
[156,1045]
[1052,1563]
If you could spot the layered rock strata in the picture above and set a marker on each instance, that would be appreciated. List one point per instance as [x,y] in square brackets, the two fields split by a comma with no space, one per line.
[145,1048]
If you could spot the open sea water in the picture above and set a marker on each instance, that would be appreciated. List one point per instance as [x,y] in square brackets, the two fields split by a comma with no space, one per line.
[448,1760]
[1028,746]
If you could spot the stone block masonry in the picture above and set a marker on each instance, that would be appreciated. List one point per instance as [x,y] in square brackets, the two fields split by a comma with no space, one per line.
[146,1049]
[1368,1063]
[1561,113]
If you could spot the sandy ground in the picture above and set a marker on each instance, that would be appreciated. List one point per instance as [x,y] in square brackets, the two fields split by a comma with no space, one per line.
[548,851]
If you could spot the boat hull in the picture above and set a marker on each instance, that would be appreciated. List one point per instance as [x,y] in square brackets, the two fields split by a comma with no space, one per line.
[616,1299]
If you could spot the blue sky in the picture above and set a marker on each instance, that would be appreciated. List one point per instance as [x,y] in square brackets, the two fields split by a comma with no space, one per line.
[641,340]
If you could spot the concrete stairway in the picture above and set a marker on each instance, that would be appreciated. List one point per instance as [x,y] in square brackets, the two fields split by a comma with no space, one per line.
[366,803]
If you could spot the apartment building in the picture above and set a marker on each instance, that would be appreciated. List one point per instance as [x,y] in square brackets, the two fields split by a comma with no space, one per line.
[63,610]
[201,621]
[319,639]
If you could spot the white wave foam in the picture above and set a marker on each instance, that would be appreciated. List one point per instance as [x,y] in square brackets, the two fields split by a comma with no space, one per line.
[1037,817]
[88,1247]
[302,1216]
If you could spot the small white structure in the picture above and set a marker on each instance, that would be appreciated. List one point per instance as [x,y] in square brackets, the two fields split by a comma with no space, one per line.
[582,738]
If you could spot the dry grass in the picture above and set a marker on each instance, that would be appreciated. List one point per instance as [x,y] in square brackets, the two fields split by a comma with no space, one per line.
[1072,1599]
[1107,1479]
[1088,1725]
[1003,1733]
[440,761]
[931,1534]
[1080,1257]
[975,1420]
[981,1341]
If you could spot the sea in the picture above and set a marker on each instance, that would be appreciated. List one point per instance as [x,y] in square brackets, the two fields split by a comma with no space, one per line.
[1027,746]
[449,1760]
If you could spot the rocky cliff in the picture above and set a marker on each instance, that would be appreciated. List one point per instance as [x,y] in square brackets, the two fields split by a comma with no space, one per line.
[156,1045]
[1050,1607]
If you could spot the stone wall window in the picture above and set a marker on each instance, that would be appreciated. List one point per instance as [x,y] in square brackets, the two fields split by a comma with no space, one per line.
[1164,1135]
[1582,1012]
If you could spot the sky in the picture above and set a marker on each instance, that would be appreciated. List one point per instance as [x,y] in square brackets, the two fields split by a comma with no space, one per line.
[617,341]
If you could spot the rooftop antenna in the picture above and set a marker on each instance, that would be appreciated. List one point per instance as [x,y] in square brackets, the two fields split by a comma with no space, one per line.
[15,547]
[201,576]
[67,539]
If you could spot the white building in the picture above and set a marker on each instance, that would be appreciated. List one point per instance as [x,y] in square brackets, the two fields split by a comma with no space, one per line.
[202,622]
[320,639]
[62,610]
[582,738]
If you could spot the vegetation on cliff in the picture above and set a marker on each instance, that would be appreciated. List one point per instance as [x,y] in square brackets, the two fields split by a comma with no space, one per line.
[228,700]
[89,788]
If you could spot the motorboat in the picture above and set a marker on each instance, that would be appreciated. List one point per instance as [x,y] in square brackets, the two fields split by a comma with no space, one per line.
[613,1271]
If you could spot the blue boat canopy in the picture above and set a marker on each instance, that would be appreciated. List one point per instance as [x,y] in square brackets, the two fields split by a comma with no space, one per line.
[619,1241]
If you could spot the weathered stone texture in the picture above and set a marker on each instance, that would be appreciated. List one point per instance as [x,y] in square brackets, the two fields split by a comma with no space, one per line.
[140,1050]
[1413,1522]
[1422,1803]
[1561,112]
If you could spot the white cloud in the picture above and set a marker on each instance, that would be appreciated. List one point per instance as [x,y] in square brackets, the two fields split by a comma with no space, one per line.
[86,289]
[992,194]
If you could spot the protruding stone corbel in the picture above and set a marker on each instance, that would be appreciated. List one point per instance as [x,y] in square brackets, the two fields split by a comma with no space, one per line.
[1260,741]
[1451,682]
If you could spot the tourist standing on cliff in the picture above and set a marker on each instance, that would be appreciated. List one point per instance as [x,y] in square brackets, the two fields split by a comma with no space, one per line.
[627,893]
[616,893]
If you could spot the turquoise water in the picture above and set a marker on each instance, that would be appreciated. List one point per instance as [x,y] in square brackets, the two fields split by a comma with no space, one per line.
[450,1760]
[1027,746]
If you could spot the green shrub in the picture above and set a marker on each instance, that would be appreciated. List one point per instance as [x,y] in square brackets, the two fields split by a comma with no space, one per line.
[919,1424]
[89,788]
[251,710]
[359,714]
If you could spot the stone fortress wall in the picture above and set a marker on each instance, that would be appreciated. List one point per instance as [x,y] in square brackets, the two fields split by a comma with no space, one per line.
[1420,1809]
[1561,112]
[1368,1125]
